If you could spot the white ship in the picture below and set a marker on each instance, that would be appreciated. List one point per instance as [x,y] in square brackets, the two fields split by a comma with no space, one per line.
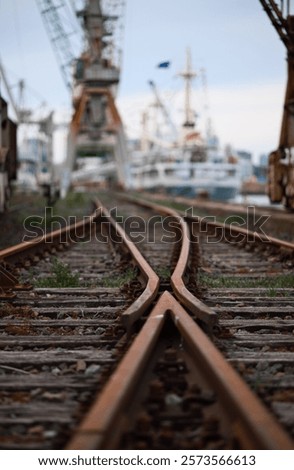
[192,166]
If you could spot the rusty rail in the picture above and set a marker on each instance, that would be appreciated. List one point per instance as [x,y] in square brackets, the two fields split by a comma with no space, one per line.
[201,311]
[34,247]
[234,232]
[140,305]
[58,237]
[254,427]
[252,424]
[53,238]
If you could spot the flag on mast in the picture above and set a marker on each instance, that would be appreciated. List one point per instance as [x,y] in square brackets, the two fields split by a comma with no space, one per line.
[163,65]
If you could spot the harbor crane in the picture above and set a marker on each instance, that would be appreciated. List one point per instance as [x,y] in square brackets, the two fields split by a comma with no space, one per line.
[281,161]
[92,76]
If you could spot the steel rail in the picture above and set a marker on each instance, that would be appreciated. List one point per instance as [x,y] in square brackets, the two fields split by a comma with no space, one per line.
[252,423]
[229,228]
[34,247]
[105,422]
[140,305]
[63,235]
[234,231]
[200,310]
[51,238]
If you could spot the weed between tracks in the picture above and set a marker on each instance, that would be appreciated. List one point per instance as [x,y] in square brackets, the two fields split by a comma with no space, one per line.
[61,277]
[118,280]
[277,282]
[177,206]
[164,273]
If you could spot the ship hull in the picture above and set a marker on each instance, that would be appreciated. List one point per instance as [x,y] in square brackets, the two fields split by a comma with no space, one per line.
[219,181]
[223,193]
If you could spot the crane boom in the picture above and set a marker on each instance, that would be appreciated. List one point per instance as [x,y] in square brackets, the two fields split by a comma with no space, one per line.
[161,105]
[278,20]
[8,90]
[59,34]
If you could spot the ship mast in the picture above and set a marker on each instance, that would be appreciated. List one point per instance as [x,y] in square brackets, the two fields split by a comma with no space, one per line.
[188,75]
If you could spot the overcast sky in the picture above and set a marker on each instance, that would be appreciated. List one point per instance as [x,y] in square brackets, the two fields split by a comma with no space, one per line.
[233,40]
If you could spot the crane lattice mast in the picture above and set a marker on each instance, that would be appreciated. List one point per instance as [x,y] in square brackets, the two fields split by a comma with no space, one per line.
[96,128]
[59,32]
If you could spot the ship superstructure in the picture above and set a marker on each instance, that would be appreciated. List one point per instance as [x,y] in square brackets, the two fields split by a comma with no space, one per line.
[191,166]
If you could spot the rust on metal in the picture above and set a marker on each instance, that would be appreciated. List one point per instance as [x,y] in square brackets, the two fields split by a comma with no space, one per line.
[7,279]
[10,283]
[200,310]
[102,426]
[234,231]
[51,238]
[245,408]
[139,306]
[35,246]
[250,422]
[102,421]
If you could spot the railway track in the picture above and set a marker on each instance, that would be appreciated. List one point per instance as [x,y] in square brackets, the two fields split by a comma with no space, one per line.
[250,285]
[59,344]
[94,366]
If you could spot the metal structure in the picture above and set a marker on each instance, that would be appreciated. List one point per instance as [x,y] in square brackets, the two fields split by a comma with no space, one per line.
[165,355]
[160,105]
[44,160]
[8,154]
[188,75]
[59,32]
[281,163]
[96,129]
[8,148]
[189,121]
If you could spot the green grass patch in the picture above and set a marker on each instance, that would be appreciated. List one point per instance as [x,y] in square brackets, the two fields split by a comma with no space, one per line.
[73,204]
[277,282]
[61,277]
[178,206]
[164,273]
[75,199]
[119,280]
